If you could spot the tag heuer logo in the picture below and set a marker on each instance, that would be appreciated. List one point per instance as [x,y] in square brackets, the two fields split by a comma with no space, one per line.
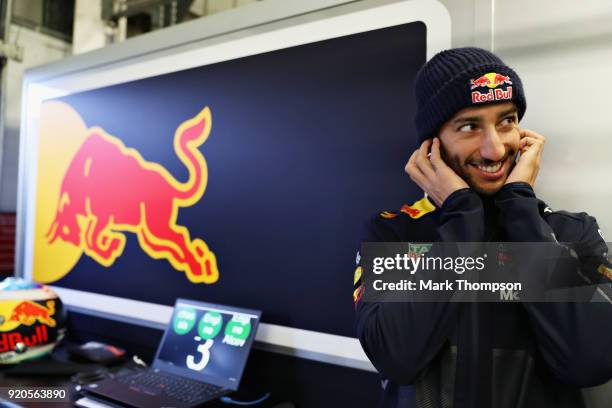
[414,250]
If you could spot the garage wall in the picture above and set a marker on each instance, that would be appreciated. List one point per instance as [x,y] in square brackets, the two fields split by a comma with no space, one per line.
[38,49]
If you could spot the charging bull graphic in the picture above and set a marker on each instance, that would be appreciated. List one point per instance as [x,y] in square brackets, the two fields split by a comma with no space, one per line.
[29,313]
[108,190]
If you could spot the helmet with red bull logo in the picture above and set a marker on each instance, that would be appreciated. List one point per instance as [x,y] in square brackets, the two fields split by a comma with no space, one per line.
[31,320]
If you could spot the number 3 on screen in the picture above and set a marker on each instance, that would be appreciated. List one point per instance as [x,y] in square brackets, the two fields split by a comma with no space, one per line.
[204,350]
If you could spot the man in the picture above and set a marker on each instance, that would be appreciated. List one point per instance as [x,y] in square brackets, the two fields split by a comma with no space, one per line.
[479,168]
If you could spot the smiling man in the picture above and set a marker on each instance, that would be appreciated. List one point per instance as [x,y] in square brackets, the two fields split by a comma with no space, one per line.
[478,169]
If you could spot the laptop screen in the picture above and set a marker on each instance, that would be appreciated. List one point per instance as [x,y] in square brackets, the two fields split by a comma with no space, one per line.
[207,342]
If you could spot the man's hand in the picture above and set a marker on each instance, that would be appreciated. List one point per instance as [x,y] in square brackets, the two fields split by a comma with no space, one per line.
[528,165]
[432,174]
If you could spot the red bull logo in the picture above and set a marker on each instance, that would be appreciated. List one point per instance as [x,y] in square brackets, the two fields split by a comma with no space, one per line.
[411,211]
[109,190]
[8,341]
[28,313]
[491,80]
[418,209]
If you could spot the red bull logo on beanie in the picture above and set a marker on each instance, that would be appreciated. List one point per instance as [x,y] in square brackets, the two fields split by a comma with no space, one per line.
[490,80]
[105,190]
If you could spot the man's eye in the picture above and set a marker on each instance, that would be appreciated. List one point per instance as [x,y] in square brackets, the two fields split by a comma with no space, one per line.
[510,120]
[468,127]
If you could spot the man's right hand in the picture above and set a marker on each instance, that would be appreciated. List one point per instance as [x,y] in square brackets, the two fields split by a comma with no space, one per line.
[432,174]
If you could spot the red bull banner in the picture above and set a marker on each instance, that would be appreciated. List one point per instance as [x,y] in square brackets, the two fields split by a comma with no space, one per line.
[241,182]
[104,190]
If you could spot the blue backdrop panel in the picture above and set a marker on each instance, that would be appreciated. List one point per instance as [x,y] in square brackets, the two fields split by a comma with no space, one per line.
[306,144]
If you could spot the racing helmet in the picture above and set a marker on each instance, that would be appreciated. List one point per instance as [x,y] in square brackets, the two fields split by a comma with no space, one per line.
[32,320]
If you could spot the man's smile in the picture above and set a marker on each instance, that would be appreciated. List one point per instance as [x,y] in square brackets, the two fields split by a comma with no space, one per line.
[491,171]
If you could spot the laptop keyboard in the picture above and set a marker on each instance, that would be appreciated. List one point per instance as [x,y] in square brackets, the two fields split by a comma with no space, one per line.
[172,386]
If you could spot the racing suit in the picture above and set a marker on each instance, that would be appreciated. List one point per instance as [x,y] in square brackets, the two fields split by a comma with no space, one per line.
[502,355]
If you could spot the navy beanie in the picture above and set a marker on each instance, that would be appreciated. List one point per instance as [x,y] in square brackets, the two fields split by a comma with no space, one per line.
[459,78]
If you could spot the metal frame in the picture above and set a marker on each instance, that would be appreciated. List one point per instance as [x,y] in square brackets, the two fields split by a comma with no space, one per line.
[248,30]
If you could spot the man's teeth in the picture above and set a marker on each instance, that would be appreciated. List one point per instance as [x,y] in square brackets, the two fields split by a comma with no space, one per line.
[490,169]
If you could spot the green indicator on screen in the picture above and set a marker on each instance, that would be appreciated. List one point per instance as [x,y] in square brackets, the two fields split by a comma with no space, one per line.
[184,320]
[237,330]
[210,325]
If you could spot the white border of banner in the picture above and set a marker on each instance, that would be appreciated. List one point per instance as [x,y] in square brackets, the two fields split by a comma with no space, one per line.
[266,26]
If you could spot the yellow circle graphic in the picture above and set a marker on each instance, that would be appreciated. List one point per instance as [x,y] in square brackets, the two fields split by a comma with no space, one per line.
[62,131]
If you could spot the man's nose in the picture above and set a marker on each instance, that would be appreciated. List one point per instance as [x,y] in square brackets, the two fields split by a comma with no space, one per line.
[491,146]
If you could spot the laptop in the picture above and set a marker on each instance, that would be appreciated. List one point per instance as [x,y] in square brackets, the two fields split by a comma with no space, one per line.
[201,357]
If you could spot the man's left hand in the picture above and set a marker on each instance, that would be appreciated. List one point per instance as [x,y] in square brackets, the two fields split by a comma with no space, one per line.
[528,165]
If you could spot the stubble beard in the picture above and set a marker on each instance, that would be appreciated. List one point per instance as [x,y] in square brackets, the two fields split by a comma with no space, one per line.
[456,164]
